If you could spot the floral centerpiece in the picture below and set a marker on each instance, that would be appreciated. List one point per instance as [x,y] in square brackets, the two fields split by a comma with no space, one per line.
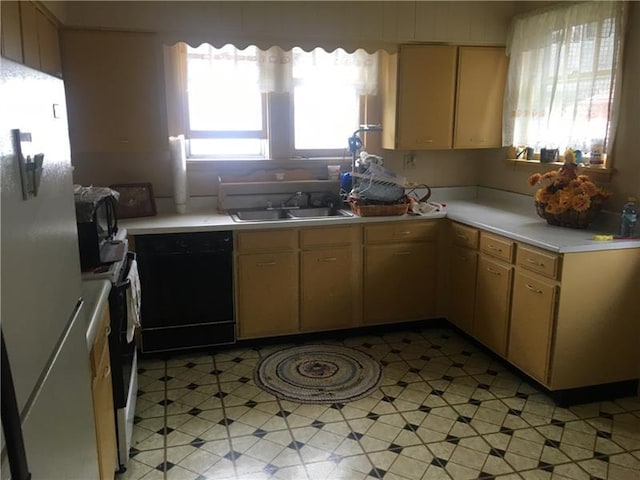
[567,199]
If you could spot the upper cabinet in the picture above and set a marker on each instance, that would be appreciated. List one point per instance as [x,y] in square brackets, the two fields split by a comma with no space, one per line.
[419,93]
[442,96]
[30,36]
[113,82]
[482,72]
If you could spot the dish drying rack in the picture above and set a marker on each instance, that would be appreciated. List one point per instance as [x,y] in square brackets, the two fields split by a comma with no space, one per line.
[377,184]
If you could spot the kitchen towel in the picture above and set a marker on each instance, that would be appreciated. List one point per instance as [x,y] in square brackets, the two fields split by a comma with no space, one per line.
[133,301]
[179,167]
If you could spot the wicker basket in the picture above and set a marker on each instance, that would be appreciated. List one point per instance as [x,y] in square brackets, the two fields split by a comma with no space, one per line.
[374,210]
[570,218]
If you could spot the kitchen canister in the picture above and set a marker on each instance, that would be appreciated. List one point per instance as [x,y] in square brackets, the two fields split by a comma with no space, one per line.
[178,153]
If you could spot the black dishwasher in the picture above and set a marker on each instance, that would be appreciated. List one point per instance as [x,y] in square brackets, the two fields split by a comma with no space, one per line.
[187,290]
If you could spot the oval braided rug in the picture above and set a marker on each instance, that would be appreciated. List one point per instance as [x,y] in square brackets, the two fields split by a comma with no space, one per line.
[319,374]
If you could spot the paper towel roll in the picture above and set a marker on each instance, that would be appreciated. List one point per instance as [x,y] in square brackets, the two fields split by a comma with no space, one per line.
[179,163]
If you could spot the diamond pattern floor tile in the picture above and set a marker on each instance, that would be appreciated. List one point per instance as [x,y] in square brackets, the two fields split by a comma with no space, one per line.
[445,409]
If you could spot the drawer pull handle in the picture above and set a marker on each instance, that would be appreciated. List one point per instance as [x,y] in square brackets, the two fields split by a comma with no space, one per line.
[107,371]
[494,248]
[462,235]
[534,262]
[463,257]
[327,259]
[491,270]
[402,253]
[265,264]
[532,288]
[406,232]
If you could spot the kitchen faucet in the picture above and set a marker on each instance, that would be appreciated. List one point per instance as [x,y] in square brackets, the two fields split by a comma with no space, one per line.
[295,197]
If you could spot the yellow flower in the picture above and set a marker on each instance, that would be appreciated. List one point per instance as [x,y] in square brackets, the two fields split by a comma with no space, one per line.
[581,202]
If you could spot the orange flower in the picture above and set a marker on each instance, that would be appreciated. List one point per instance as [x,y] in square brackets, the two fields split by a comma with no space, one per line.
[564,199]
[584,178]
[550,174]
[542,195]
[533,179]
[581,202]
[552,206]
[589,188]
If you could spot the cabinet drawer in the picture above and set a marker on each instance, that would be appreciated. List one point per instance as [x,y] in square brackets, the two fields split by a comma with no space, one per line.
[464,236]
[101,341]
[266,240]
[332,236]
[401,232]
[544,263]
[497,246]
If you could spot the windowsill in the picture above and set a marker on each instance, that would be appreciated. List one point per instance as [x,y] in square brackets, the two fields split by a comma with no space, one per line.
[602,170]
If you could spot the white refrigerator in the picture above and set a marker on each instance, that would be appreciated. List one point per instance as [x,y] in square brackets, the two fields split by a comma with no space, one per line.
[42,314]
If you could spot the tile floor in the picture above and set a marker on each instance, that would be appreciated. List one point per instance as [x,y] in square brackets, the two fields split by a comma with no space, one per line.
[445,410]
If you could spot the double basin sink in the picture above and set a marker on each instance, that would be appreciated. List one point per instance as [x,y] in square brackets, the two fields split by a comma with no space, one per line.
[288,214]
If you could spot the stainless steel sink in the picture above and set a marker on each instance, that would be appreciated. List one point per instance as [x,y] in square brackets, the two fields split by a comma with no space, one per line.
[319,213]
[258,215]
[287,214]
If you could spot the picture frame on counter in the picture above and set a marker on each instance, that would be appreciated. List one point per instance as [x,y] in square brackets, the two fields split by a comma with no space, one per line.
[136,200]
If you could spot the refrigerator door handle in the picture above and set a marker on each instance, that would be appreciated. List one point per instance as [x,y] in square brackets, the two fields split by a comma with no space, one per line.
[11,426]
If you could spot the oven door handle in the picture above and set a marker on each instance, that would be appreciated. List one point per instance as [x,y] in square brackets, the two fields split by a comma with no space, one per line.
[123,280]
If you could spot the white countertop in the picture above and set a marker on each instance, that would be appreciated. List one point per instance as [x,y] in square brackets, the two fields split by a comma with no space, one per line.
[96,296]
[504,213]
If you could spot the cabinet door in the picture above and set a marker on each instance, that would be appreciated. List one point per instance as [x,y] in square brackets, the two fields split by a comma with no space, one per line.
[10,35]
[29,24]
[463,266]
[48,45]
[328,289]
[493,297]
[103,411]
[481,79]
[425,92]
[532,316]
[267,296]
[399,282]
[112,81]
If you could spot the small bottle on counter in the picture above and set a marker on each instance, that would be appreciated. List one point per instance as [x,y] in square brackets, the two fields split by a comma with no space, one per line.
[628,218]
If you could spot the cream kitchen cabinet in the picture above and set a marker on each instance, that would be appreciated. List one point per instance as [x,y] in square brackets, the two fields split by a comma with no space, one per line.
[400,271]
[532,317]
[330,278]
[267,293]
[29,35]
[442,97]
[102,391]
[114,98]
[418,97]
[463,266]
[482,72]
[493,292]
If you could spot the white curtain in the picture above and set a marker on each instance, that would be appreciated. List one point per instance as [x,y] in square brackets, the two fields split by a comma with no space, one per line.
[275,70]
[564,76]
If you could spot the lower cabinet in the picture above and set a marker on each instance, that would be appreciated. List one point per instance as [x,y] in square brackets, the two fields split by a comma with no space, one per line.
[267,294]
[400,274]
[330,265]
[532,317]
[535,307]
[463,269]
[102,391]
[493,300]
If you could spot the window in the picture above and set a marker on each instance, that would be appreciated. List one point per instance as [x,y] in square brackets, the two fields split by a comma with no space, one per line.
[229,96]
[563,74]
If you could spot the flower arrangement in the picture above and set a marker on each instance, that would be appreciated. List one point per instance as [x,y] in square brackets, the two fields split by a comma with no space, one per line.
[567,199]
